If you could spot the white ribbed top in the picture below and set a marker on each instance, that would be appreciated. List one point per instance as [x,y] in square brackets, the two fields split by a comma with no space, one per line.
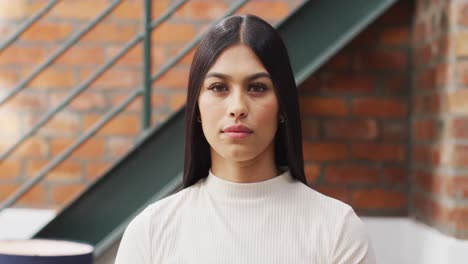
[279,220]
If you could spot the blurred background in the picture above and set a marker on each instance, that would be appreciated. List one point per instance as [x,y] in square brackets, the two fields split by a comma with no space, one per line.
[91,113]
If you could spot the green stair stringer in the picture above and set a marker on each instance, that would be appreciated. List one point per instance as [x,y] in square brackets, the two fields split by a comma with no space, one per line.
[153,169]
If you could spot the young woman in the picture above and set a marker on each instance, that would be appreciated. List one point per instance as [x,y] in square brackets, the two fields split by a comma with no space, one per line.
[245,197]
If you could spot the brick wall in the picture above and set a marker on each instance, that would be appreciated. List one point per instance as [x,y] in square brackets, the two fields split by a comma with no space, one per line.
[355,118]
[439,171]
[98,46]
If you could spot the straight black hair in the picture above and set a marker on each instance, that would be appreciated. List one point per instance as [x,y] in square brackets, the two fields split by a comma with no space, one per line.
[267,44]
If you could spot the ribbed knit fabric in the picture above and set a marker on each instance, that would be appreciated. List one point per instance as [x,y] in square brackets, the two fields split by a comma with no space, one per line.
[279,220]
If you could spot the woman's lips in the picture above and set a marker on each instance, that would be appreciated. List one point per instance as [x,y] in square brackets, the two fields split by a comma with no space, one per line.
[237,135]
[237,131]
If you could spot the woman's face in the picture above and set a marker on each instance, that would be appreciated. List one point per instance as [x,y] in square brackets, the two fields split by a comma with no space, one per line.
[238,106]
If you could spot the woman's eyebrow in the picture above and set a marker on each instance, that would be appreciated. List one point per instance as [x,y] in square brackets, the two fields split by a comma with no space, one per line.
[249,78]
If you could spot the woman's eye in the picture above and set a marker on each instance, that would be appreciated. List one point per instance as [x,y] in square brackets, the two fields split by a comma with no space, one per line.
[257,88]
[218,88]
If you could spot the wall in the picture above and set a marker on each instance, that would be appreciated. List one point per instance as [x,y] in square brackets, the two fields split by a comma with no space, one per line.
[355,112]
[439,171]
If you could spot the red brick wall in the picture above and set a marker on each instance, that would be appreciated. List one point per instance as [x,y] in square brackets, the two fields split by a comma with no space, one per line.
[98,46]
[355,118]
[439,174]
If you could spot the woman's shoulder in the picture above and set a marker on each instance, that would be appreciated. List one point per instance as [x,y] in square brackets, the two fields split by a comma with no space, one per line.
[317,200]
[169,203]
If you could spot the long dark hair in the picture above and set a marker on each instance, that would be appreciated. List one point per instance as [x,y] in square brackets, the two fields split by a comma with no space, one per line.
[266,43]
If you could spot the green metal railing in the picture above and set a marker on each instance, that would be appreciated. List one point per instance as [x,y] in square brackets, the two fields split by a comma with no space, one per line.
[148,79]
[10,40]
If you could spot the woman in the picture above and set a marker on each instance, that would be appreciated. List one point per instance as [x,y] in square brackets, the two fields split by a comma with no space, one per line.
[245,197]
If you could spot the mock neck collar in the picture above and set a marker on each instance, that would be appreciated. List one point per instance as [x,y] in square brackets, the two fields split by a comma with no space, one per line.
[225,189]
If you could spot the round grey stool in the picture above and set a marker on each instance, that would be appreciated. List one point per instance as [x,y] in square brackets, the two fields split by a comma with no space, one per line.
[45,251]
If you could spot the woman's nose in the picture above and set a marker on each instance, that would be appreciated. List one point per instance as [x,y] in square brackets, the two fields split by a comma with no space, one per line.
[238,106]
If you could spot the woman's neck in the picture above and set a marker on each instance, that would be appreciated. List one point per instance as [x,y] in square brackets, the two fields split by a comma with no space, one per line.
[259,169]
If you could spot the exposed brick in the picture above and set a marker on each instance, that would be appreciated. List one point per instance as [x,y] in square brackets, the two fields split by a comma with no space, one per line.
[118,146]
[94,170]
[18,9]
[339,61]
[423,54]
[173,33]
[65,171]
[91,148]
[53,78]
[426,79]
[340,193]
[124,125]
[268,10]
[10,123]
[426,104]
[202,10]
[7,189]
[349,83]
[110,33]
[35,197]
[426,154]
[324,106]
[92,55]
[115,78]
[395,176]
[457,101]
[461,46]
[132,10]
[395,60]
[439,213]
[62,194]
[7,79]
[366,38]
[325,151]
[187,59]
[396,85]
[86,101]
[312,172]
[9,169]
[458,187]
[134,57]
[352,174]
[310,129]
[378,199]
[459,156]
[61,124]
[462,73]
[351,129]
[80,10]
[379,107]
[459,128]
[429,182]
[426,129]
[463,13]
[396,36]
[32,147]
[177,101]
[311,85]
[29,55]
[419,32]
[27,101]
[47,32]
[394,130]
[378,151]
[175,78]
[399,13]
